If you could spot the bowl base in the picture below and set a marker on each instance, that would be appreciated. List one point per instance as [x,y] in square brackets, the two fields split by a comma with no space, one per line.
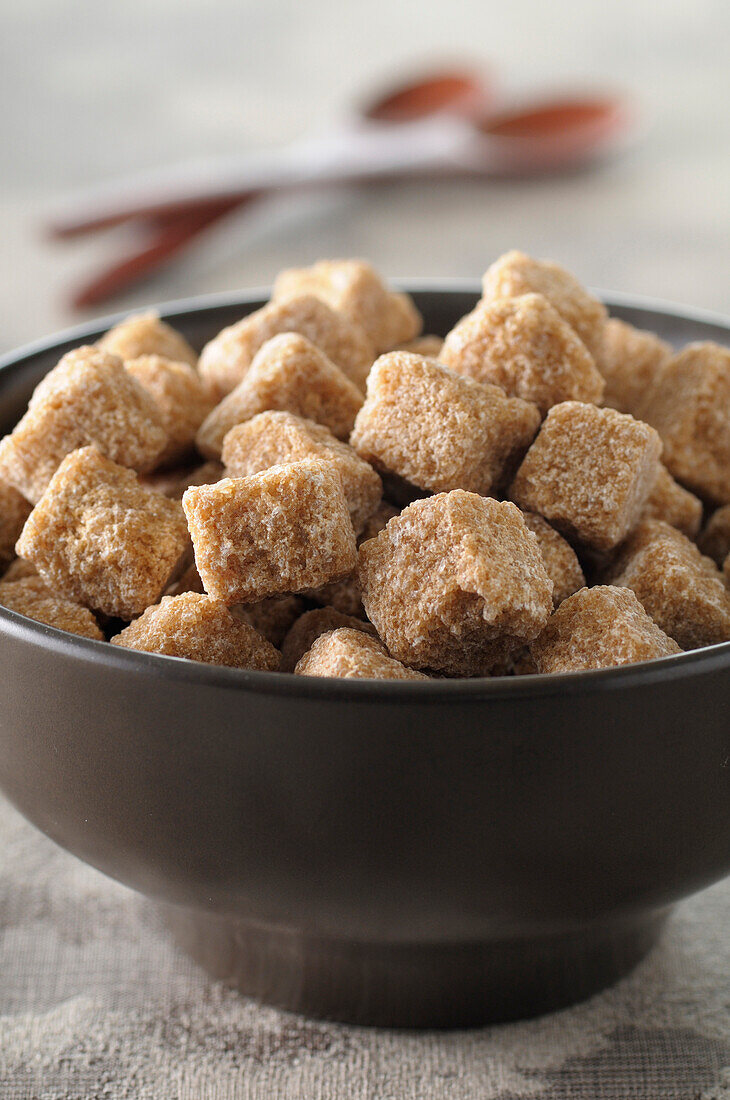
[413,985]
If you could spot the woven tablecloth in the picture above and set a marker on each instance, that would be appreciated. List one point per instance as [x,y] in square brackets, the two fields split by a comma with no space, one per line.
[95,1001]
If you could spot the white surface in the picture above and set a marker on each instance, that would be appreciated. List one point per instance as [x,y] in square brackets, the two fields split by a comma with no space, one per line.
[90,91]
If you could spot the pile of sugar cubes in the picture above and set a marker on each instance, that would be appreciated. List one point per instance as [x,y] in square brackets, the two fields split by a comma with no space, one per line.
[329,492]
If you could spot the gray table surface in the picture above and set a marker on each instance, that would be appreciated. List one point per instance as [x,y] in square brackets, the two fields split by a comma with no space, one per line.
[94,1001]
[91,91]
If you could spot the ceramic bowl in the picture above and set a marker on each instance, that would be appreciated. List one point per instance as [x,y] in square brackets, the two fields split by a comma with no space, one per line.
[411,854]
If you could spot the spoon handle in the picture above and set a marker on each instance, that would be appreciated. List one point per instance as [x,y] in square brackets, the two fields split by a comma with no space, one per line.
[348,154]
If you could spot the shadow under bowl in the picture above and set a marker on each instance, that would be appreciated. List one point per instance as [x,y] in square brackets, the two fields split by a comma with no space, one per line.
[408,854]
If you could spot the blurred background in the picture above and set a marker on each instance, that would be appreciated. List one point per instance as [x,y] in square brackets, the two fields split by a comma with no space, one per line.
[93,91]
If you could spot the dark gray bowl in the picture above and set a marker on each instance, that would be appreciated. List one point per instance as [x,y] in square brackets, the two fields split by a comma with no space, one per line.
[413,854]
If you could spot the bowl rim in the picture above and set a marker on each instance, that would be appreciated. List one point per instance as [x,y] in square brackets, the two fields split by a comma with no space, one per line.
[705,660]
[198,303]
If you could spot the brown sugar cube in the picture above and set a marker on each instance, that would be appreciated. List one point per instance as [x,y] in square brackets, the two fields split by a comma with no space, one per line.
[145,334]
[354,288]
[308,627]
[273,438]
[561,562]
[14,511]
[438,430]
[683,591]
[187,581]
[644,533]
[589,473]
[428,346]
[715,539]
[289,374]
[346,595]
[630,360]
[205,474]
[32,583]
[225,360]
[170,483]
[18,570]
[65,370]
[675,505]
[32,598]
[690,408]
[280,531]
[353,655]
[89,398]
[181,398]
[599,628]
[173,483]
[455,583]
[514,274]
[377,521]
[273,618]
[524,346]
[201,629]
[102,539]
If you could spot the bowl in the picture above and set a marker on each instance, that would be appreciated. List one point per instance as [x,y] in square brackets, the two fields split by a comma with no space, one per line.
[406,854]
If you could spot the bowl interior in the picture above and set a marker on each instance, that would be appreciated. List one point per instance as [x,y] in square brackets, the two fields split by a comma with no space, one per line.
[442,304]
